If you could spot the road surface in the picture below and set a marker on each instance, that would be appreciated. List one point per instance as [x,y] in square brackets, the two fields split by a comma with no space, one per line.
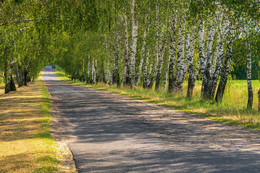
[114,133]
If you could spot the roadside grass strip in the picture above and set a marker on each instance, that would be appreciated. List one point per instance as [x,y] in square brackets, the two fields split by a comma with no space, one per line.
[232,110]
[25,139]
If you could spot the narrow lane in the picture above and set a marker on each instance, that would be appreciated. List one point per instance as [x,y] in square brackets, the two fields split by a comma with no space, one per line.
[115,133]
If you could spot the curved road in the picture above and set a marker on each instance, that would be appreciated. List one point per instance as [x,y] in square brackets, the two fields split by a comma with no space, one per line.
[115,133]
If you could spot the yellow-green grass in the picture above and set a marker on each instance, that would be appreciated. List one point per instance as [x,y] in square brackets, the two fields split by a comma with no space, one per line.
[25,140]
[232,110]
[1,81]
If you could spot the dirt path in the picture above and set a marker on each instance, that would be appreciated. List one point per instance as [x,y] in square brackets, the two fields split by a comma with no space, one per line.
[113,133]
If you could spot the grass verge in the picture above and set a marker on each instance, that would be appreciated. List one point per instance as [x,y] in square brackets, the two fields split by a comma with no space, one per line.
[25,139]
[227,112]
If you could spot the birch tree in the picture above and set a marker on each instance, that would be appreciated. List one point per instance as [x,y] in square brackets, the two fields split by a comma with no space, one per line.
[172,54]
[133,43]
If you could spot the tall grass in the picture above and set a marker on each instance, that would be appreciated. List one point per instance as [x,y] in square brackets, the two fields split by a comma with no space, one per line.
[25,140]
[1,80]
[232,109]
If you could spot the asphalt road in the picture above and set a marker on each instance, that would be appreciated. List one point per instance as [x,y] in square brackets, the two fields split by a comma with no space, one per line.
[115,133]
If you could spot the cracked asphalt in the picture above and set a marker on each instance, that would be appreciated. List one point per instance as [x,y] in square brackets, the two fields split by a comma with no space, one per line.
[107,132]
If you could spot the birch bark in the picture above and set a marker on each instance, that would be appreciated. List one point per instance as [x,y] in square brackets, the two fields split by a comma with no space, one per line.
[146,74]
[126,73]
[88,72]
[161,48]
[116,74]
[202,56]
[249,80]
[93,75]
[180,74]
[189,54]
[223,80]
[166,73]
[143,53]
[172,51]
[133,44]
[225,69]
[215,74]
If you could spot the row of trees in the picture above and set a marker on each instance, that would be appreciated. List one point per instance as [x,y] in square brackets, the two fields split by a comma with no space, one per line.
[23,42]
[162,43]
[157,44]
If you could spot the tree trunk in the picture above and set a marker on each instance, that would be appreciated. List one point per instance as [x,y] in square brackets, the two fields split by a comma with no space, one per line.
[192,81]
[126,73]
[134,44]
[93,74]
[82,78]
[88,72]
[217,67]
[206,85]
[190,57]
[166,74]
[10,85]
[25,77]
[172,49]
[143,53]
[161,49]
[190,62]
[249,82]
[106,76]
[9,82]
[145,74]
[202,58]
[96,72]
[180,73]
[223,79]
[116,75]
[19,77]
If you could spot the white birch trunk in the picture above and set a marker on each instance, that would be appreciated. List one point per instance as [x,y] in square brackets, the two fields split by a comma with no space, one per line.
[202,57]
[180,74]
[215,75]
[88,71]
[145,82]
[249,82]
[93,71]
[225,70]
[207,83]
[172,51]
[143,53]
[161,48]
[166,74]
[126,73]
[134,43]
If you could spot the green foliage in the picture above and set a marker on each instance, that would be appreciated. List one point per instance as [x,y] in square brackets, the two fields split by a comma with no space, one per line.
[76,33]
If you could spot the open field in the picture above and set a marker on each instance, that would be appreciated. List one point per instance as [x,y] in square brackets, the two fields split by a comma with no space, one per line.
[25,139]
[232,110]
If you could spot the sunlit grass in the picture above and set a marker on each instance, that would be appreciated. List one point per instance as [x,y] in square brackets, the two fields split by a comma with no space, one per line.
[232,110]
[25,140]
[1,84]
[1,80]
